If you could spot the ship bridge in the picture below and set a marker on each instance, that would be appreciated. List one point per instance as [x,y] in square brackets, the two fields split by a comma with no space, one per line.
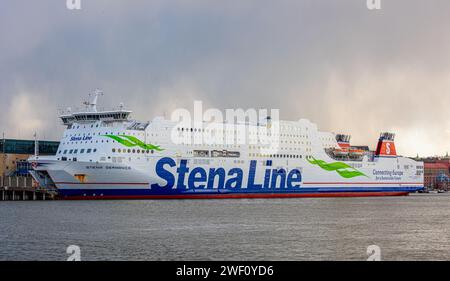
[90,113]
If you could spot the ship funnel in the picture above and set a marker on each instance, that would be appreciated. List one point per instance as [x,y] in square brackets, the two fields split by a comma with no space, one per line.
[386,146]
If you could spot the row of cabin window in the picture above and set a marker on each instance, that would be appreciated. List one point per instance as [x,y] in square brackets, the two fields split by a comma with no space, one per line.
[75,151]
[93,134]
[195,130]
[131,151]
[106,133]
[277,155]
[73,127]
[81,142]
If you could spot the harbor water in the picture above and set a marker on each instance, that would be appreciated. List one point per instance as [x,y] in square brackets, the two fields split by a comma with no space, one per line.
[415,227]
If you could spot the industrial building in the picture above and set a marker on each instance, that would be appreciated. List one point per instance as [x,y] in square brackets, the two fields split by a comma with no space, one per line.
[437,172]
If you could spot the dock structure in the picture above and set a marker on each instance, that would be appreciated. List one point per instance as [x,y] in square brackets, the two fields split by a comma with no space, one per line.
[21,189]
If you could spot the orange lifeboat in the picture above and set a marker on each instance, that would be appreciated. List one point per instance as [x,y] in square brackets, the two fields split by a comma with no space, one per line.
[356,152]
[340,152]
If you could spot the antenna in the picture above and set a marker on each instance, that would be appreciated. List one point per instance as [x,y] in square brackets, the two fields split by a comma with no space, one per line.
[93,104]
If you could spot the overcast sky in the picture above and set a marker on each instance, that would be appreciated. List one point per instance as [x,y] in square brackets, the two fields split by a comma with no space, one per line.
[344,67]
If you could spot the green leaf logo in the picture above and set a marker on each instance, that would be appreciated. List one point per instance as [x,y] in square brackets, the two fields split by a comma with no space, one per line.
[131,141]
[343,169]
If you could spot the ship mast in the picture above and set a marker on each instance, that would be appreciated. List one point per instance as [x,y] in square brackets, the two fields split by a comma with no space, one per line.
[92,106]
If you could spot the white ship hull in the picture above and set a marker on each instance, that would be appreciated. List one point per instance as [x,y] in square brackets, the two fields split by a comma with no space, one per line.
[113,181]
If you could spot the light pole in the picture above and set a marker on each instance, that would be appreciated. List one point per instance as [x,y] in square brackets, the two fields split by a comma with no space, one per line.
[36,146]
[4,157]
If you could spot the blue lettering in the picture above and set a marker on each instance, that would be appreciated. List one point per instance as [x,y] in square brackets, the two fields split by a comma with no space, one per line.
[294,177]
[266,178]
[217,178]
[163,173]
[212,175]
[193,179]
[278,173]
[252,175]
[84,138]
[182,170]
[235,182]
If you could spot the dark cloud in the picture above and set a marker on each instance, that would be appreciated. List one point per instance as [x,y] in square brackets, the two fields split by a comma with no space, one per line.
[335,62]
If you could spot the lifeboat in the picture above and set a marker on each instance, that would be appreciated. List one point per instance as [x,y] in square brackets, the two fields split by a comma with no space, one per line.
[356,152]
[340,152]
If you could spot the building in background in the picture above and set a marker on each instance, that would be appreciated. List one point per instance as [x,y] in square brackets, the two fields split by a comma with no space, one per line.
[14,153]
[437,172]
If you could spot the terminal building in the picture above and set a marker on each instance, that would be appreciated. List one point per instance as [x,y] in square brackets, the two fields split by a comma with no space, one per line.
[14,153]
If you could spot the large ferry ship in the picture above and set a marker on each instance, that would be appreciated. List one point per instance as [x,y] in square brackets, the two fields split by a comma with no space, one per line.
[108,155]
